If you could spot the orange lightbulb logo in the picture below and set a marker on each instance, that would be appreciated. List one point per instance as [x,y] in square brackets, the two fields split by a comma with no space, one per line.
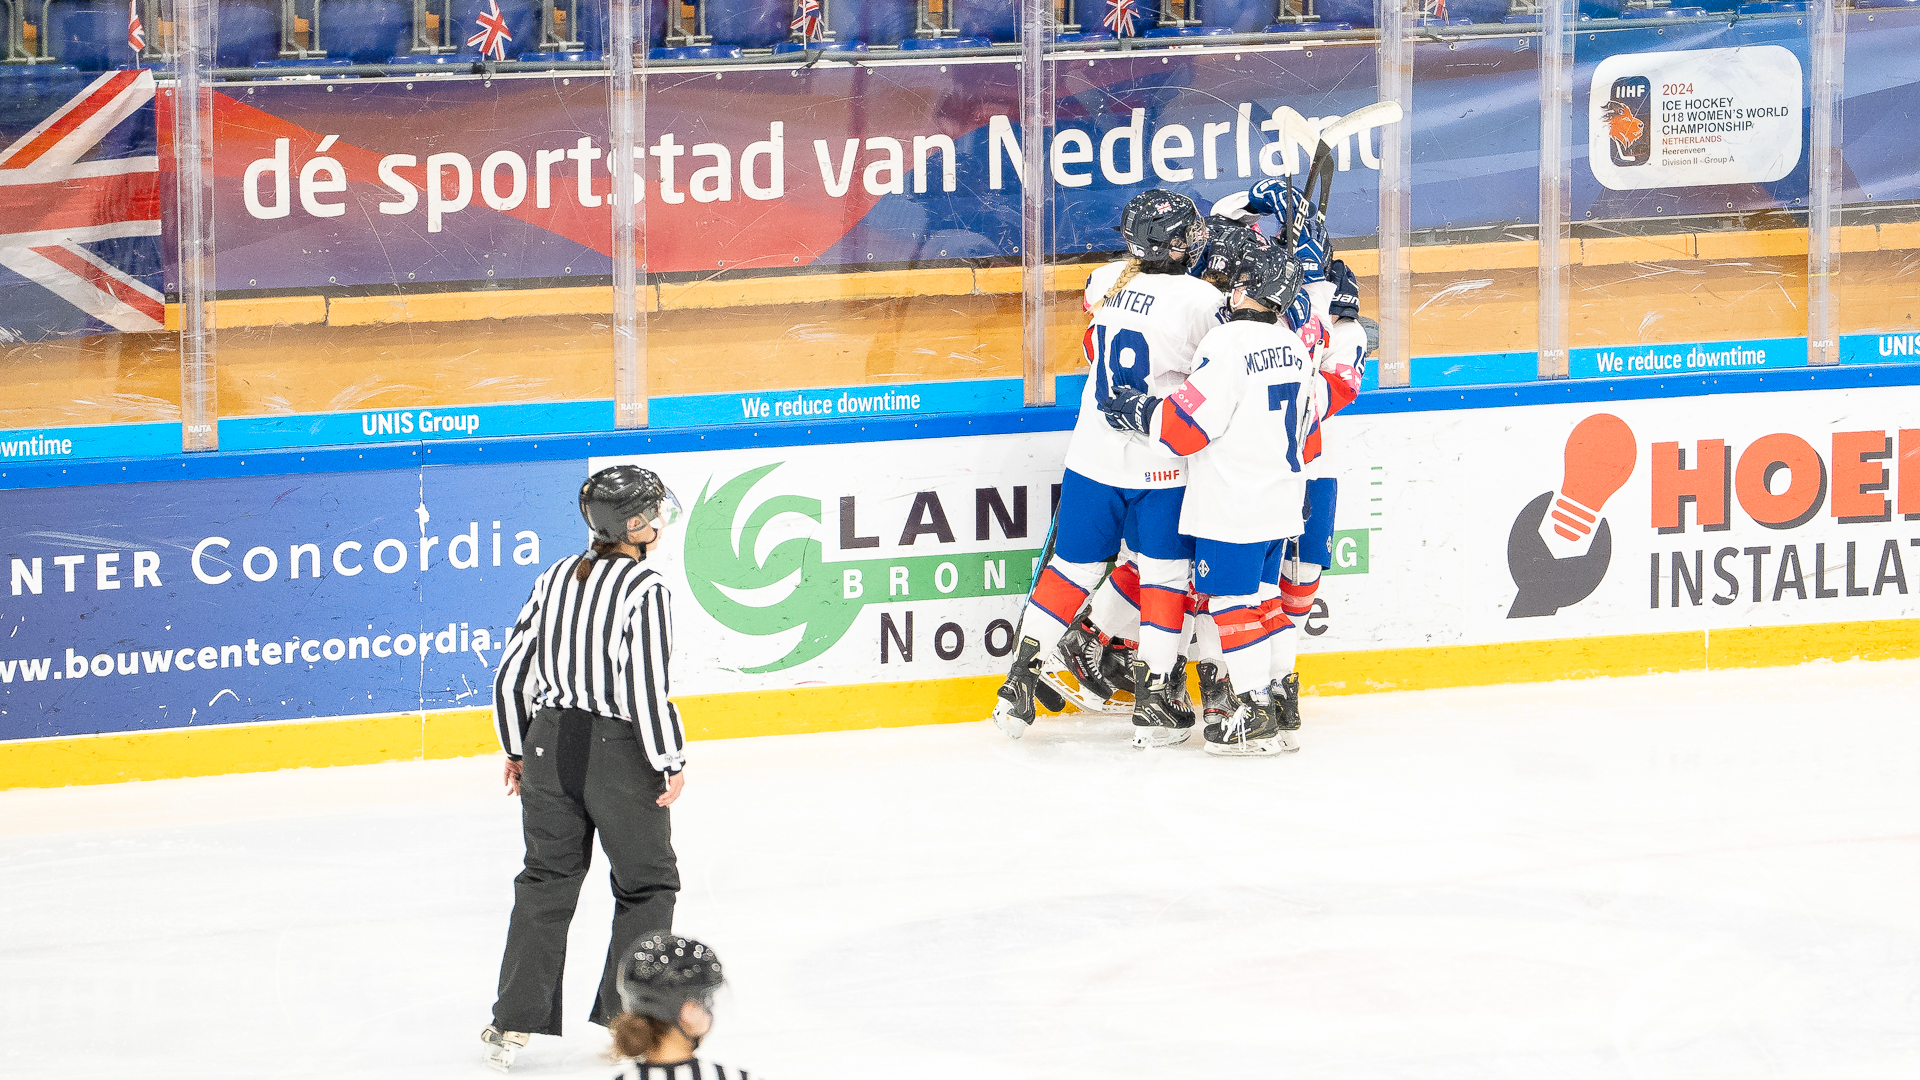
[1600,456]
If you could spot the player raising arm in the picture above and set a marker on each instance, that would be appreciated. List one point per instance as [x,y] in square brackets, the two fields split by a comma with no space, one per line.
[1148,316]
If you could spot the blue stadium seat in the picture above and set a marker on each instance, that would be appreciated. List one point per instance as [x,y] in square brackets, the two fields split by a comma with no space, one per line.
[522,19]
[1775,7]
[875,22]
[1602,9]
[995,20]
[1240,16]
[1085,37]
[248,32]
[820,46]
[89,34]
[593,29]
[1186,31]
[1355,13]
[364,31]
[1480,11]
[1883,4]
[749,24]
[912,44]
[696,52]
[1308,28]
[444,59]
[1637,14]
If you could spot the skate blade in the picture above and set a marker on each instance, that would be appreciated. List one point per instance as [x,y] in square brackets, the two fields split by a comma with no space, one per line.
[1149,738]
[1250,748]
[1010,725]
[1083,699]
[498,1058]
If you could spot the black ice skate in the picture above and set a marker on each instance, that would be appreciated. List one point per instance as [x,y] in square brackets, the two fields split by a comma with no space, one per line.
[1079,654]
[1286,699]
[1252,731]
[1116,666]
[1159,719]
[1216,695]
[1013,708]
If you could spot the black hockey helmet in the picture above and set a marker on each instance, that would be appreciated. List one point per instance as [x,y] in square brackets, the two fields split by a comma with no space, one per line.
[660,973]
[1162,226]
[615,496]
[1270,275]
[1228,245]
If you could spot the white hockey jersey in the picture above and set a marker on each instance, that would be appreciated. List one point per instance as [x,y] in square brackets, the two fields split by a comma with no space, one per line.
[1143,337]
[1346,345]
[1242,418]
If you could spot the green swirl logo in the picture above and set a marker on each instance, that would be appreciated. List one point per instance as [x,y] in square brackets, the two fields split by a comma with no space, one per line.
[728,577]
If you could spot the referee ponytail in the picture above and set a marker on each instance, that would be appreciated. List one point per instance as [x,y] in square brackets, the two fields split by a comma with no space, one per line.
[600,550]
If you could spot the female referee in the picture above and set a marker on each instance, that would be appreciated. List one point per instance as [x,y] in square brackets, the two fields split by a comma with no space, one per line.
[667,985]
[592,744]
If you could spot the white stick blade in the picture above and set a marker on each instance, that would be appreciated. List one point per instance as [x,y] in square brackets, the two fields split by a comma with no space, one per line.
[1378,114]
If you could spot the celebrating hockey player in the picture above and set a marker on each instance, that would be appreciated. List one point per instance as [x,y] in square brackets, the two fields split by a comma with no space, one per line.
[1147,317]
[1255,394]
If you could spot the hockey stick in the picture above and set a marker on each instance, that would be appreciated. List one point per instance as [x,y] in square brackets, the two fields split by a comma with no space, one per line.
[1336,132]
[1044,691]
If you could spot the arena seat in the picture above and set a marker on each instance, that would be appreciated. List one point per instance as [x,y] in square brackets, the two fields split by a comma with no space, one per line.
[1186,31]
[592,32]
[363,31]
[1775,7]
[1885,4]
[1308,28]
[522,19]
[820,46]
[696,52]
[1239,16]
[749,24]
[995,20]
[89,34]
[1641,14]
[874,22]
[913,44]
[1479,11]
[1602,9]
[1085,37]
[1355,13]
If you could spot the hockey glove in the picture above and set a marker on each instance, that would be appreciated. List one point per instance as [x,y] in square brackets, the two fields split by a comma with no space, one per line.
[1268,196]
[1346,291]
[1128,409]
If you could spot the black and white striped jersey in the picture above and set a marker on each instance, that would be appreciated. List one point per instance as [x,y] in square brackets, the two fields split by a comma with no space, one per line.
[599,645]
[685,1070]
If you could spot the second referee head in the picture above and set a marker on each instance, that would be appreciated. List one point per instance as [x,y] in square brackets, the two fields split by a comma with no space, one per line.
[593,743]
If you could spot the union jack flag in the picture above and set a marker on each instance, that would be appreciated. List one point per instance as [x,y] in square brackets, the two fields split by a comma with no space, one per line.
[136,36]
[80,211]
[806,20]
[1120,17]
[493,35]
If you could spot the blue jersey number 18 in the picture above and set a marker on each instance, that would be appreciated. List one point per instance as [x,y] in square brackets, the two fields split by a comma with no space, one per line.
[1119,359]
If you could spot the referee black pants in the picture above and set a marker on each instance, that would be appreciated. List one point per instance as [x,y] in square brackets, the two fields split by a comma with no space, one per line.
[582,773]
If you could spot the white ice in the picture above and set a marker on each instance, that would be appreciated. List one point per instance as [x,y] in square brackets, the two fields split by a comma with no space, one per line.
[1700,876]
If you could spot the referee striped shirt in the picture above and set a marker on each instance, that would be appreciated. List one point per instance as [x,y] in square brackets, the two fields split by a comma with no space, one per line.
[685,1070]
[599,645]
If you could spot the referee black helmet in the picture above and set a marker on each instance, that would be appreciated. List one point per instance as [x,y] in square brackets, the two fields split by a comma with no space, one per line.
[660,973]
[615,496]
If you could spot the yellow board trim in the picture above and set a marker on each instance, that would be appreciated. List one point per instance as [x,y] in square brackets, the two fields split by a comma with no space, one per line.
[261,747]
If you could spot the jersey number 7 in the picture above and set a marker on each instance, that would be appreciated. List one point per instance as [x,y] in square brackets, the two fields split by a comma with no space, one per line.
[1118,359]
[1286,396]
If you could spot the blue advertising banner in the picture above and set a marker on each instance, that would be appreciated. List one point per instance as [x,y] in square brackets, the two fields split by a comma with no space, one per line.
[413,425]
[89,441]
[229,601]
[835,403]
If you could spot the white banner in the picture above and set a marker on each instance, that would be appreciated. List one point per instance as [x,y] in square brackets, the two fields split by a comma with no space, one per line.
[899,561]
[1690,119]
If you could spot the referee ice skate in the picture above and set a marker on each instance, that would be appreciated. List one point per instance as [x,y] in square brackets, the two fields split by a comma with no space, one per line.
[592,743]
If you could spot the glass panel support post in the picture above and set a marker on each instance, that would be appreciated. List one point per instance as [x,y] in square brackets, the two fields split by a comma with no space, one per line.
[1036,120]
[627,120]
[1555,287]
[1825,178]
[1395,74]
[193,195]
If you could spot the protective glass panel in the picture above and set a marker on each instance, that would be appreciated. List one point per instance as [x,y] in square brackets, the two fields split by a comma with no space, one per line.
[1690,202]
[833,223]
[87,365]
[1476,138]
[1880,236]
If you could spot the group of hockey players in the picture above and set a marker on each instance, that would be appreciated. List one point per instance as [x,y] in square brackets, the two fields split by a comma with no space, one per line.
[1215,351]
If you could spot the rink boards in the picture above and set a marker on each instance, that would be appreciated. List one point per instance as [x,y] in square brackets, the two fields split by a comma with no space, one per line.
[862,575]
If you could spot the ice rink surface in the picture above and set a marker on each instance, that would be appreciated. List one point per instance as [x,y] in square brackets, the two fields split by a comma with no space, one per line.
[1701,876]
